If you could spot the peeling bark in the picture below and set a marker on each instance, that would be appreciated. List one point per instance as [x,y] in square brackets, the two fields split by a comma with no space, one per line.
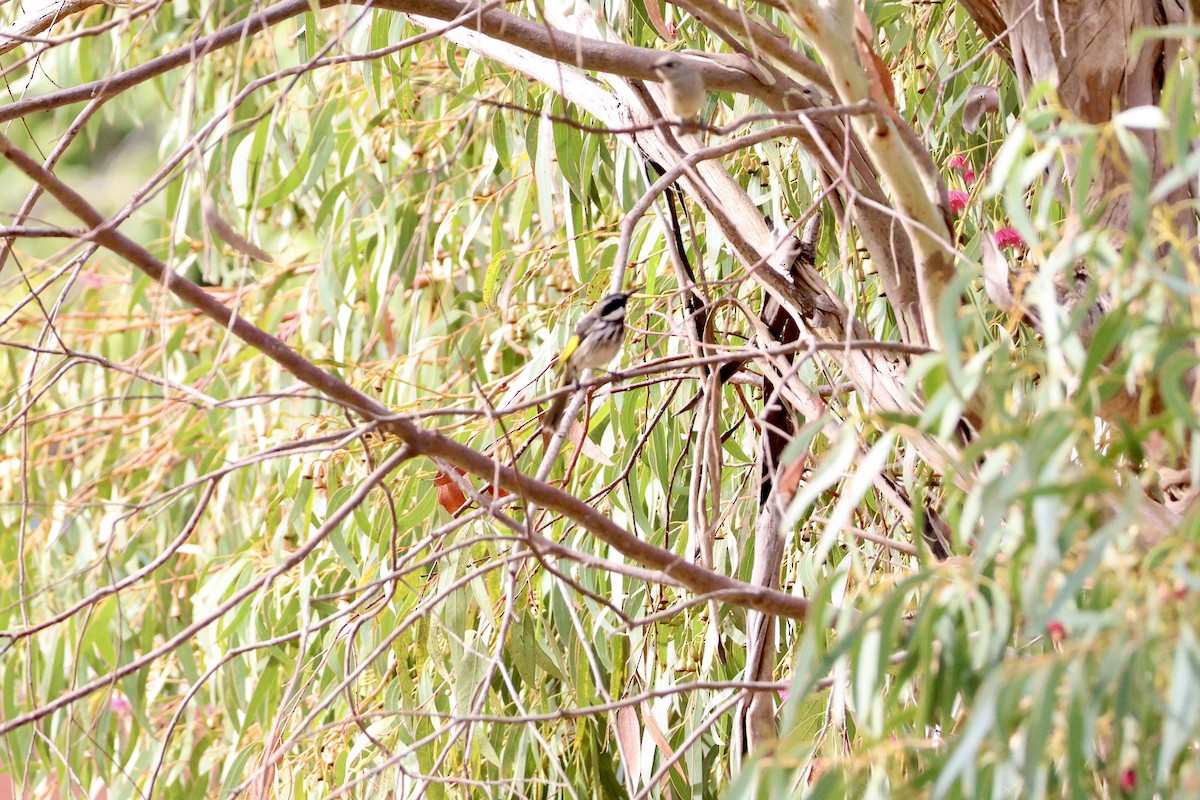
[1082,47]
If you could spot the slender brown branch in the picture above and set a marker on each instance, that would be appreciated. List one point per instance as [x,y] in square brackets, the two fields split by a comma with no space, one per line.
[24,232]
[535,37]
[114,588]
[116,84]
[252,588]
[425,442]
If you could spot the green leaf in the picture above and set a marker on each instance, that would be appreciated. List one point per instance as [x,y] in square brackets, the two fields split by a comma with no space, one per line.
[961,766]
[1183,701]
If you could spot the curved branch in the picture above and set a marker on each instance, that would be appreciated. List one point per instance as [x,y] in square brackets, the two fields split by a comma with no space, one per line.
[422,441]
[590,54]
[116,84]
[721,72]
[26,27]
[902,162]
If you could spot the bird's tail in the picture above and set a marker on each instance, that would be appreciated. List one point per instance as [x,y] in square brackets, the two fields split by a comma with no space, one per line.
[558,405]
[554,414]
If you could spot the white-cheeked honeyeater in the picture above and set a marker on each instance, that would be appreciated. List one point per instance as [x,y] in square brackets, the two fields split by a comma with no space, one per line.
[596,341]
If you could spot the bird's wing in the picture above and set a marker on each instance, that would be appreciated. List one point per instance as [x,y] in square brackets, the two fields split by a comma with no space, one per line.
[581,328]
[572,343]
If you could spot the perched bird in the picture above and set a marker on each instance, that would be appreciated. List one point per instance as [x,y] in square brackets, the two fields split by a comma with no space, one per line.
[683,85]
[596,341]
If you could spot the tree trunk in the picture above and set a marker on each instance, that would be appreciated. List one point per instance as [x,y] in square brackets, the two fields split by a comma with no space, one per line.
[1082,47]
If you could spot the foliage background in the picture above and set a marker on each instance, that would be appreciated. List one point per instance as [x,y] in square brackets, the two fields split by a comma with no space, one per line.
[173,537]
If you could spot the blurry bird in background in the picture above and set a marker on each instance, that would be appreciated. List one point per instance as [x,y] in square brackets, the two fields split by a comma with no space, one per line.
[683,85]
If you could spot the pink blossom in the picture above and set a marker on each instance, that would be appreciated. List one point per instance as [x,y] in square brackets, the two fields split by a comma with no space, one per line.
[91,280]
[958,200]
[960,163]
[119,705]
[1007,237]
[1128,780]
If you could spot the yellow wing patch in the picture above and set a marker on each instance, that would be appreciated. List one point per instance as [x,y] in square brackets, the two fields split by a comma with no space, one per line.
[565,355]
